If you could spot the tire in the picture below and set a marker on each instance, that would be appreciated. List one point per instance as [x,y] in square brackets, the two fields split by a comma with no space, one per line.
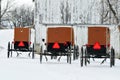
[86,57]
[77,54]
[112,57]
[67,58]
[41,54]
[70,59]
[33,54]
[74,53]
[11,50]
[8,53]
[40,57]
[81,57]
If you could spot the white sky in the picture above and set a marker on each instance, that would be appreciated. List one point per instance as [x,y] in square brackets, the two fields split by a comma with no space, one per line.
[19,2]
[26,2]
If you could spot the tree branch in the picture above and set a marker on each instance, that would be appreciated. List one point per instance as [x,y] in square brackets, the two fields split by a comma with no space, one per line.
[113,11]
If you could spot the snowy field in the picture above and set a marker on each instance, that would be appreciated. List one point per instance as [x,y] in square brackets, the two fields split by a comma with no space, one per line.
[25,68]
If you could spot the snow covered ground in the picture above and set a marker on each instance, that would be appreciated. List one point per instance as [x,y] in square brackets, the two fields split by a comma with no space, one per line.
[25,68]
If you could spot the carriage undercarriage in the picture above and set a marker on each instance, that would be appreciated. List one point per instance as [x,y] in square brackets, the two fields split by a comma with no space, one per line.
[54,54]
[18,49]
[86,55]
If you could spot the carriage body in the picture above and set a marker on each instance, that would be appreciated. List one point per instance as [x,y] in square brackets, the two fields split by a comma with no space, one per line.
[98,41]
[59,39]
[22,38]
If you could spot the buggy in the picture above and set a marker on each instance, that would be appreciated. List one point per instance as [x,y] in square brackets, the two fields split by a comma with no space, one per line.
[60,42]
[21,43]
[98,46]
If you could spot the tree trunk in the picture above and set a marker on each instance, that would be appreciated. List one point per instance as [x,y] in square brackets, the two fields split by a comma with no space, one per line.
[113,11]
[0,13]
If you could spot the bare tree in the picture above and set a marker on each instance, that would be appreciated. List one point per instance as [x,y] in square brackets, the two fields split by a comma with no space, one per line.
[0,13]
[14,17]
[21,16]
[65,12]
[3,10]
[109,11]
[113,11]
[62,12]
[103,12]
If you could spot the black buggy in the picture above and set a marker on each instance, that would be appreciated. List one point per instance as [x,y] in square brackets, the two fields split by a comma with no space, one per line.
[98,46]
[60,42]
[21,43]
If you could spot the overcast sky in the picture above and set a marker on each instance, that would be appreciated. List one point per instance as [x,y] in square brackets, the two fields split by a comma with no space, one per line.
[26,2]
[19,2]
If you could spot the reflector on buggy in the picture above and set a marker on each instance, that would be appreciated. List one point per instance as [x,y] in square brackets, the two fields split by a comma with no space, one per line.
[98,46]
[22,42]
[60,42]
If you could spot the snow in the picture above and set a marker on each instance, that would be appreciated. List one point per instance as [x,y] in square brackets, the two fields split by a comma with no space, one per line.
[25,68]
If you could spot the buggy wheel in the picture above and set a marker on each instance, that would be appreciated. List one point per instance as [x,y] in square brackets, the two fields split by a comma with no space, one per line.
[51,56]
[67,58]
[86,57]
[81,58]
[70,58]
[74,53]
[41,54]
[112,57]
[33,55]
[8,54]
[11,50]
[40,57]
[77,54]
